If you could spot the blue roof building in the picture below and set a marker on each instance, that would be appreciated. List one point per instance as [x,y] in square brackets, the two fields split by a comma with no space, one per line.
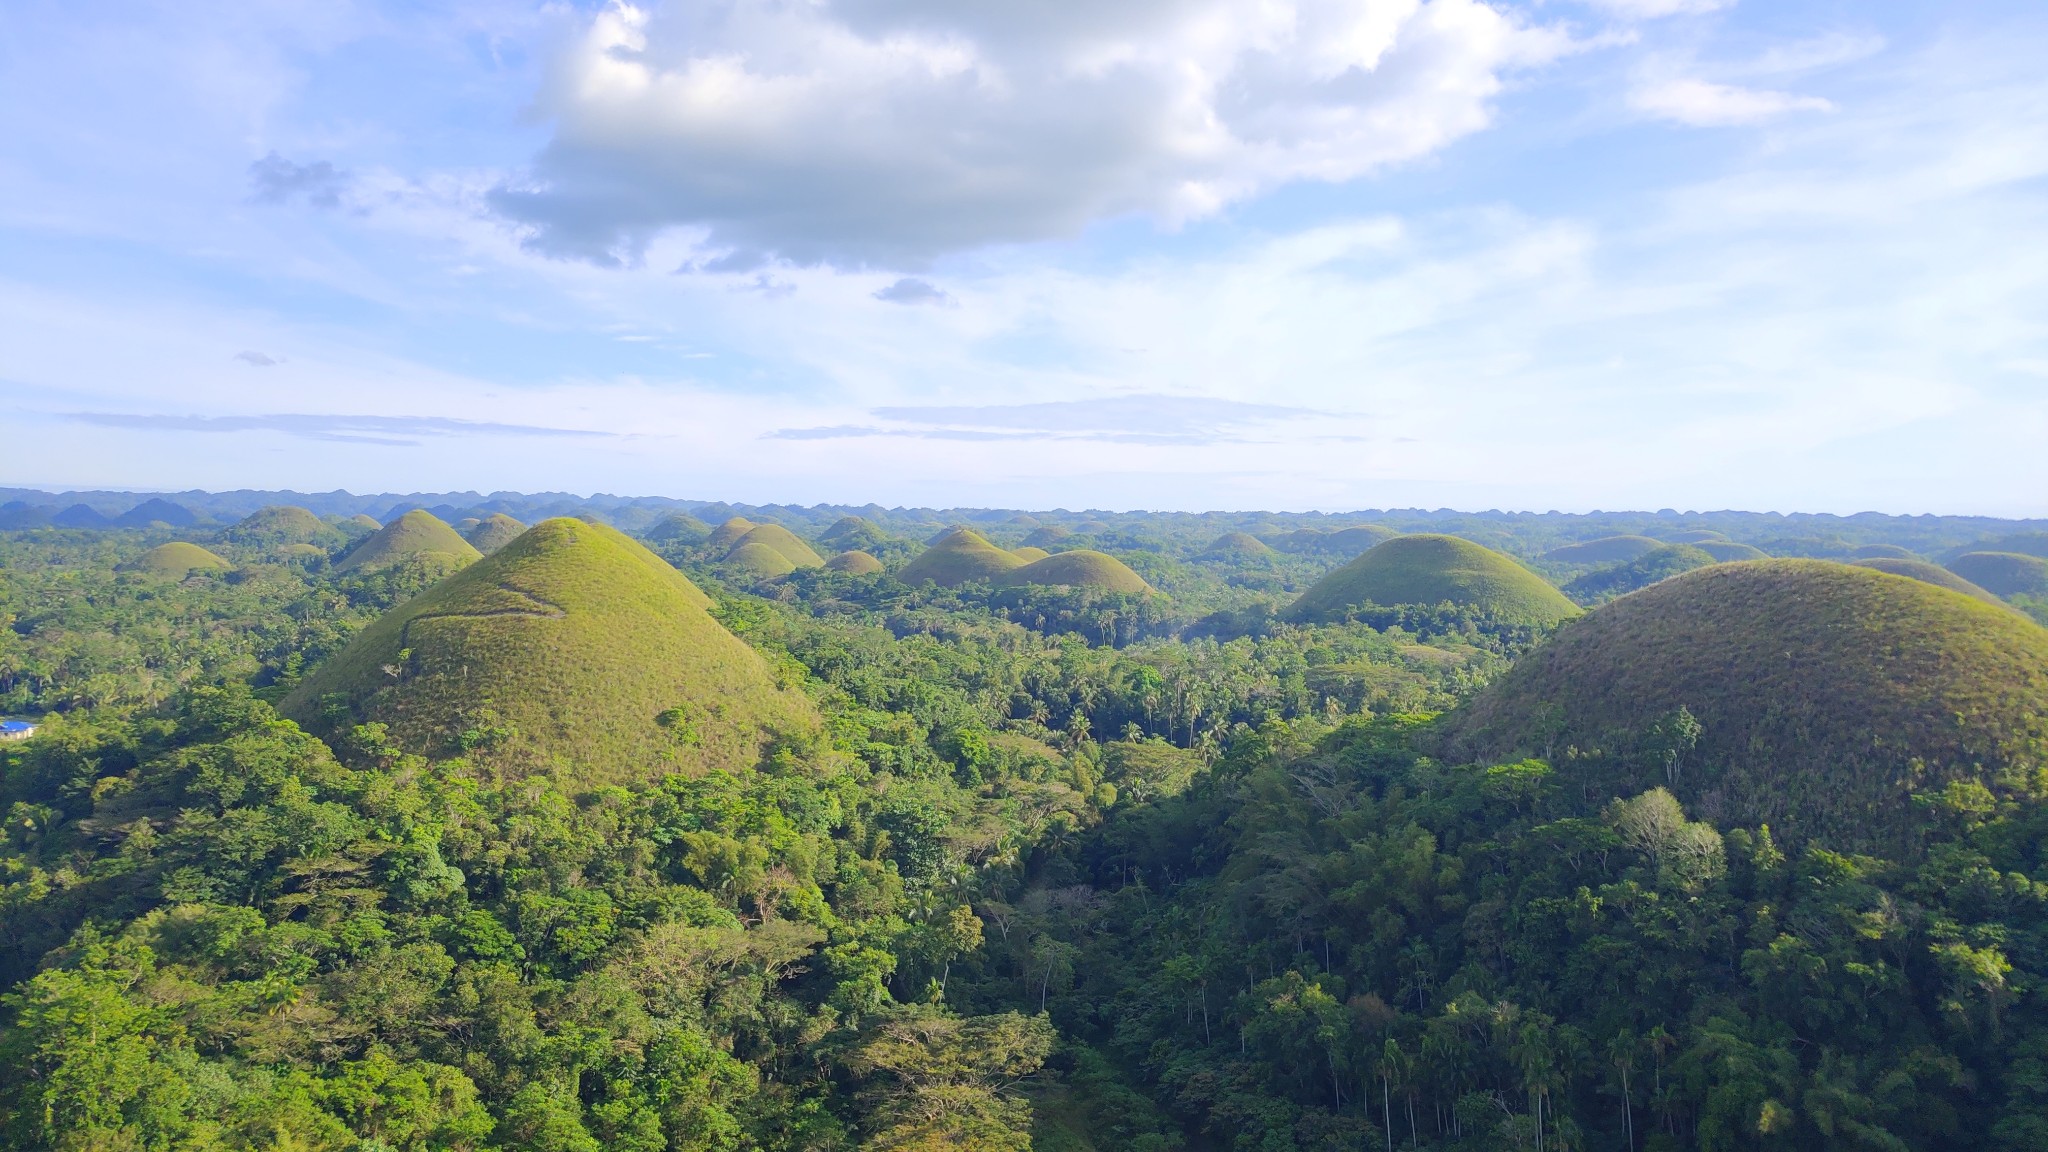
[16,729]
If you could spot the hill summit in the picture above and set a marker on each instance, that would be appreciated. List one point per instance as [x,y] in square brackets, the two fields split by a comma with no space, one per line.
[1081,568]
[572,649]
[957,557]
[417,533]
[1825,694]
[494,532]
[1429,570]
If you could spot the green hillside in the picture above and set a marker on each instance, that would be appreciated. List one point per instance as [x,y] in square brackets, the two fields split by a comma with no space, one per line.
[179,558]
[2005,573]
[1659,563]
[357,526]
[1429,570]
[1728,552]
[1928,573]
[1354,540]
[679,528]
[2024,543]
[1237,546]
[494,532]
[1081,568]
[418,533]
[1694,536]
[1047,537]
[959,555]
[854,563]
[728,534]
[1027,553]
[1882,552]
[283,524]
[782,541]
[573,650]
[1606,550]
[1825,693]
[759,561]
[300,553]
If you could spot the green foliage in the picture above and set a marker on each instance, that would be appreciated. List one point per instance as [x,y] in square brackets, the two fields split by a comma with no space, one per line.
[284,524]
[1659,563]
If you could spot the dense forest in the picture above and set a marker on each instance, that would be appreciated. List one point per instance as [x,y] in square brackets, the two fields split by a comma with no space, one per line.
[1270,832]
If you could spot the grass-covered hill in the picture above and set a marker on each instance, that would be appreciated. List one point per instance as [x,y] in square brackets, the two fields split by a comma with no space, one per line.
[417,534]
[2006,573]
[1881,552]
[758,561]
[283,524]
[179,559]
[1429,570]
[1825,694]
[1607,550]
[1695,536]
[357,526]
[678,528]
[783,542]
[2024,543]
[1029,553]
[1048,536]
[572,650]
[854,563]
[493,532]
[958,556]
[728,534]
[1237,546]
[1081,568]
[1659,563]
[157,510]
[1933,574]
[1728,552]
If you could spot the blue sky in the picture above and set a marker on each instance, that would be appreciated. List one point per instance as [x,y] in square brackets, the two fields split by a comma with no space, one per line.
[1192,254]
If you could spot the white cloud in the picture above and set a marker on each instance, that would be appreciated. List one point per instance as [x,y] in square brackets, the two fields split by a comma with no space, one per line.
[887,132]
[1653,9]
[1705,104]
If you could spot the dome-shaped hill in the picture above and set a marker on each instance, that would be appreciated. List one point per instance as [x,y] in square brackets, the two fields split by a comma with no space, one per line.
[1694,536]
[357,526]
[418,533]
[728,534]
[283,524]
[1354,540]
[1659,563]
[758,561]
[958,556]
[1091,528]
[1728,552]
[301,554]
[157,510]
[1237,546]
[1028,554]
[1046,537]
[782,541]
[678,528]
[1081,568]
[466,525]
[1430,570]
[2023,543]
[1025,520]
[2005,573]
[179,559]
[854,563]
[1927,573]
[572,649]
[1882,552]
[1606,550]
[493,532]
[1826,693]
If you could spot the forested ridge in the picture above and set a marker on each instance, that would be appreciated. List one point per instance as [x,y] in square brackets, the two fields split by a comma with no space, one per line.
[1059,868]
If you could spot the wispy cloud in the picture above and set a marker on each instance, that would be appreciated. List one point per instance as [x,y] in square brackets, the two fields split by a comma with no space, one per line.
[277,180]
[256,359]
[1143,419]
[1703,104]
[387,430]
[911,290]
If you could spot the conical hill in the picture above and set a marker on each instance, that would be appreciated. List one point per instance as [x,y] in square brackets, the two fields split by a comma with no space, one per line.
[2006,573]
[283,524]
[678,528]
[1429,570]
[418,533]
[179,559]
[855,563]
[957,557]
[759,561]
[1046,537]
[1029,553]
[728,534]
[572,649]
[1606,550]
[776,538]
[1826,695]
[494,532]
[1237,546]
[1081,568]
[1928,573]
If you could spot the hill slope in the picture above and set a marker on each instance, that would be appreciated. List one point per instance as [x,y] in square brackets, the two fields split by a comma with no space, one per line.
[728,534]
[1659,563]
[1728,552]
[1429,570]
[782,541]
[958,556]
[1928,573]
[1606,550]
[1826,693]
[1237,546]
[1081,568]
[494,533]
[2006,573]
[417,533]
[283,524]
[600,657]
[759,561]
[179,558]
[854,563]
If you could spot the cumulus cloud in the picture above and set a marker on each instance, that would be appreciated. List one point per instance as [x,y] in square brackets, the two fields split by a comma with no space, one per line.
[888,132]
[276,180]
[1653,9]
[1708,105]
[910,290]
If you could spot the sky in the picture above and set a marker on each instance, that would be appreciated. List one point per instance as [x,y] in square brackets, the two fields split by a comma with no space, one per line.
[1199,254]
